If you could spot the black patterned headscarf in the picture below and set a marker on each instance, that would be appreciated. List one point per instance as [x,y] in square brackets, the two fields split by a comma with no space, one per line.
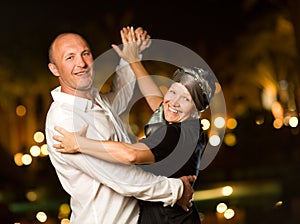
[200,84]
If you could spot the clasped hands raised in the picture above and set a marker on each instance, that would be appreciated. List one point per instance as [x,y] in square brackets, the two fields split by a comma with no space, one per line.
[134,42]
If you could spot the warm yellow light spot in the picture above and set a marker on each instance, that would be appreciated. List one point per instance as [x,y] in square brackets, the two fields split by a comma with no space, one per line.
[65,221]
[214,140]
[35,150]
[277,123]
[221,207]
[230,139]
[41,216]
[31,196]
[259,120]
[26,159]
[18,159]
[293,122]
[44,150]
[229,213]
[64,211]
[278,203]
[231,123]
[277,110]
[38,136]
[21,110]
[205,123]
[227,190]
[219,122]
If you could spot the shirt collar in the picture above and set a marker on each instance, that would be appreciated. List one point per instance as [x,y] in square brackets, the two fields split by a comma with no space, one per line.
[78,102]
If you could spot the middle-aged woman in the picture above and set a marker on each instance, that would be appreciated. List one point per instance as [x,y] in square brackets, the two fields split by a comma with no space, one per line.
[174,126]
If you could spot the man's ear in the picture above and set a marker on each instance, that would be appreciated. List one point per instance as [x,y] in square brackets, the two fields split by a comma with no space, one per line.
[53,69]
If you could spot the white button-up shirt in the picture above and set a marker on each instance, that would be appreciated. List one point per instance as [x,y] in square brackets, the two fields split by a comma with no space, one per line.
[103,192]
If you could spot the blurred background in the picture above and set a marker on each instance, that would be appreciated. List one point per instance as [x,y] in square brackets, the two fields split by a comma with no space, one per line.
[251,45]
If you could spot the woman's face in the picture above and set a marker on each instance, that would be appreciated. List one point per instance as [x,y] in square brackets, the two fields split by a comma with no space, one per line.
[178,104]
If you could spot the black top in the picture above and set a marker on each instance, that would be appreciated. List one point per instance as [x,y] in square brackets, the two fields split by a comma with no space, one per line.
[177,149]
[179,146]
[183,142]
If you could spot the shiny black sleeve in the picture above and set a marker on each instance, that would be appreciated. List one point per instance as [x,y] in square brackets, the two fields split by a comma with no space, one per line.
[163,141]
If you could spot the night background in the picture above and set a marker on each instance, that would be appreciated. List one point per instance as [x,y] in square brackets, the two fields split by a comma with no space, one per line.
[251,45]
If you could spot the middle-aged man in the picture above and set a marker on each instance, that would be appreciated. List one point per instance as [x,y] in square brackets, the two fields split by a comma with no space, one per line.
[101,192]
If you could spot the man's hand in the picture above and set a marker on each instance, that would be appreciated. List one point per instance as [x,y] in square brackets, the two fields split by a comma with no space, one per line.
[143,37]
[186,199]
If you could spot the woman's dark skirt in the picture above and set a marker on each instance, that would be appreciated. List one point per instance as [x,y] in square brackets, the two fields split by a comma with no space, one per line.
[156,213]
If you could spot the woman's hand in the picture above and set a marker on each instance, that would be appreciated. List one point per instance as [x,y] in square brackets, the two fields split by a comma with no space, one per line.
[134,42]
[69,141]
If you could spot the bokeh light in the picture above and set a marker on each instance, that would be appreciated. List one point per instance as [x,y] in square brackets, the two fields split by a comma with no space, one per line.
[38,137]
[18,159]
[35,150]
[31,196]
[21,110]
[219,122]
[221,207]
[44,150]
[41,216]
[231,123]
[214,140]
[205,123]
[293,122]
[229,213]
[227,190]
[230,139]
[26,159]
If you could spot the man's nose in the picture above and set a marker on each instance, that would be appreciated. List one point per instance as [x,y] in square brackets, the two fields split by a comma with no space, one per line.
[81,62]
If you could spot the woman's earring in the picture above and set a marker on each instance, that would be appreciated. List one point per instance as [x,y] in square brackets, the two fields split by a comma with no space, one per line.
[195,115]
